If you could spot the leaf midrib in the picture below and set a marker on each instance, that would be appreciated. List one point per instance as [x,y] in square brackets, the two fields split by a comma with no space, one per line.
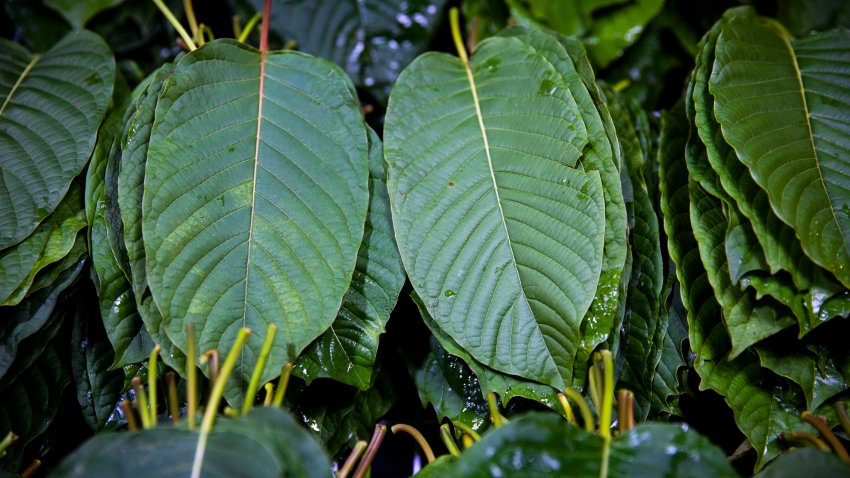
[480,117]
[799,77]
[20,80]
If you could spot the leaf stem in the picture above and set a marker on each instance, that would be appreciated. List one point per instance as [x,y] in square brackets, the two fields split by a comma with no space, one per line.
[423,443]
[269,394]
[7,441]
[243,35]
[607,394]
[454,19]
[583,407]
[282,384]
[190,16]
[191,376]
[254,384]
[466,429]
[264,30]
[173,402]
[821,426]
[495,416]
[808,438]
[141,401]
[568,410]
[449,440]
[129,415]
[843,418]
[30,471]
[352,458]
[176,24]
[213,357]
[215,399]
[371,450]
[152,384]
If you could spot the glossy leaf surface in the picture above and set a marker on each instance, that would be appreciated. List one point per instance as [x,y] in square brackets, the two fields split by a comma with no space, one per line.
[490,208]
[51,106]
[255,196]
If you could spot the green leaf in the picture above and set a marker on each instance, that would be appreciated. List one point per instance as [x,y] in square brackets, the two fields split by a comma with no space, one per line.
[255,197]
[490,380]
[796,144]
[27,319]
[51,106]
[28,418]
[544,445]
[447,383]
[372,40]
[761,409]
[98,387]
[78,12]
[337,418]
[347,351]
[805,461]
[52,240]
[479,196]
[607,27]
[266,442]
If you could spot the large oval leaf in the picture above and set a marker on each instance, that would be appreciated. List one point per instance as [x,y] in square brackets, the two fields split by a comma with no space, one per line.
[255,197]
[500,229]
[50,107]
[783,105]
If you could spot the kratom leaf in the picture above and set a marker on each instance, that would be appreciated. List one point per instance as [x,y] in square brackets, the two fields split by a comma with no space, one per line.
[450,386]
[266,442]
[230,236]
[28,318]
[803,461]
[756,398]
[98,388]
[544,445]
[483,176]
[489,380]
[372,40]
[78,12]
[52,240]
[46,379]
[787,120]
[347,351]
[52,104]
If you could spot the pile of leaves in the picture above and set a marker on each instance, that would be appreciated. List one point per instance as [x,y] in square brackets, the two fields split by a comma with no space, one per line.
[537,195]
[755,214]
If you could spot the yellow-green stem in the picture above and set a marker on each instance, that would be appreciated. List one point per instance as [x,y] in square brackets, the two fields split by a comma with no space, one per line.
[810,439]
[176,24]
[285,372]
[467,441]
[243,36]
[191,376]
[568,410]
[423,443]
[7,441]
[495,416]
[173,402]
[448,439]
[269,394]
[352,458]
[141,401]
[190,17]
[215,399]
[583,407]
[607,394]
[236,23]
[254,384]
[152,365]
[454,18]
[466,429]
